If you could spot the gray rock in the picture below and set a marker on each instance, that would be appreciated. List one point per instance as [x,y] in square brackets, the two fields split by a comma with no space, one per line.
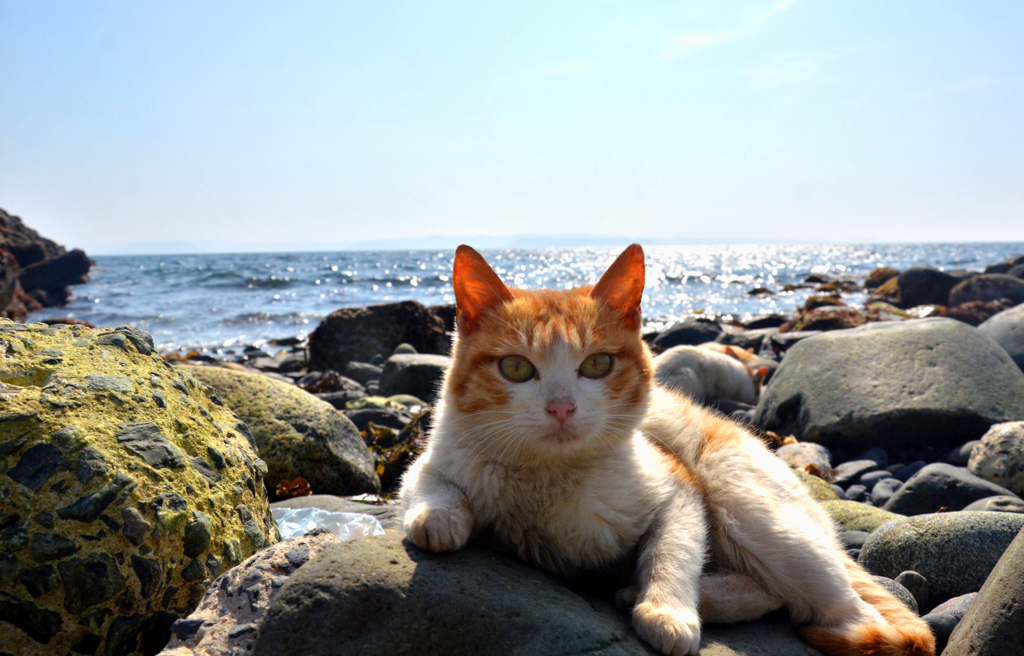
[37,464]
[883,490]
[803,453]
[384,596]
[387,416]
[988,287]
[389,515]
[857,493]
[776,345]
[897,591]
[363,372]
[905,473]
[925,286]
[919,382]
[961,455]
[998,504]
[868,479]
[405,349]
[941,486]
[689,332]
[957,606]
[942,626]
[846,473]
[145,439]
[340,399]
[418,375]
[1000,456]
[1007,329]
[89,581]
[994,623]
[916,585]
[227,618]
[878,454]
[955,551]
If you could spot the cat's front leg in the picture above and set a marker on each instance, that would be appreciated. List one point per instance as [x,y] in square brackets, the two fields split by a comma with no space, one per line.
[670,564]
[437,516]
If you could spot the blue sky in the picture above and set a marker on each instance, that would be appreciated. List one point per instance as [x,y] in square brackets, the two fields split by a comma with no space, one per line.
[330,122]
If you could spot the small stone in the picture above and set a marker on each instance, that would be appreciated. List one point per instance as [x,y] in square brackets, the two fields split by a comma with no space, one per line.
[883,491]
[911,469]
[45,547]
[89,508]
[39,624]
[999,458]
[957,606]
[123,634]
[45,518]
[961,455]
[917,585]
[135,525]
[213,565]
[252,528]
[897,591]
[87,644]
[941,486]
[942,625]
[148,572]
[847,472]
[876,453]
[853,539]
[240,630]
[89,581]
[205,470]
[186,629]
[297,556]
[159,399]
[216,457]
[198,534]
[146,440]
[37,465]
[1001,503]
[40,580]
[194,571]
[109,383]
[857,493]
[90,465]
[869,479]
[800,454]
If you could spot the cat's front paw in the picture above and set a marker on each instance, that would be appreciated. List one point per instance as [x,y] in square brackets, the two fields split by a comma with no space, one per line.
[438,529]
[669,630]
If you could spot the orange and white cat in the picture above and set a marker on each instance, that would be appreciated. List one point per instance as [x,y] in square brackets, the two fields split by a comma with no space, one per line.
[551,437]
[704,373]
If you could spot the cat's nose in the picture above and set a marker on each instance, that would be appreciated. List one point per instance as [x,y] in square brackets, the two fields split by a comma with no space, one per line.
[560,409]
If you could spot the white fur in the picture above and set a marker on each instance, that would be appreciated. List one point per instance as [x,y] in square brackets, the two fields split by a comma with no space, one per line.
[704,374]
[588,493]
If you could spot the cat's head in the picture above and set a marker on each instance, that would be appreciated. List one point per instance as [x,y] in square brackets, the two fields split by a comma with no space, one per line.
[549,371]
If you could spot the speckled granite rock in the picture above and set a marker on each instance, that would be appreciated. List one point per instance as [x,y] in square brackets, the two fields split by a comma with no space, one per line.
[227,619]
[297,433]
[855,516]
[955,551]
[124,487]
[999,458]
[818,488]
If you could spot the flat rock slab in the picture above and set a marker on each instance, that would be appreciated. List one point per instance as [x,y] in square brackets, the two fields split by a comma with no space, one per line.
[925,382]
[955,551]
[940,486]
[384,596]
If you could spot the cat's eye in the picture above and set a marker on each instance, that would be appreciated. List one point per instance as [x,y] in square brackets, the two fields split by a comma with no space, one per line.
[516,368]
[596,366]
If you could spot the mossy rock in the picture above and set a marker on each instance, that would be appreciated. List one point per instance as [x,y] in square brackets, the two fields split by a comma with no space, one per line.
[818,488]
[372,402]
[125,488]
[298,435]
[856,516]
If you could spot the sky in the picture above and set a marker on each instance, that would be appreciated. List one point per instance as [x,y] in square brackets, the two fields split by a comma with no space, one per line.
[128,124]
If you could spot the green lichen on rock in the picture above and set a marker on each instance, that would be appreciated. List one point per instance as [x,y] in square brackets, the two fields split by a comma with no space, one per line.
[856,516]
[298,434]
[124,488]
[818,488]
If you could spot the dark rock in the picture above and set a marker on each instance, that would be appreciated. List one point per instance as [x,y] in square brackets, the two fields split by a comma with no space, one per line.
[905,473]
[961,455]
[942,626]
[145,440]
[853,539]
[194,571]
[204,469]
[251,527]
[897,591]
[998,504]
[148,572]
[767,321]
[56,273]
[957,606]
[90,465]
[44,547]
[123,635]
[846,473]
[1007,329]
[941,486]
[186,629]
[90,507]
[40,580]
[418,375]
[868,479]
[339,400]
[198,533]
[857,493]
[88,581]
[359,333]
[879,275]
[917,586]
[955,551]
[988,287]
[390,417]
[39,624]
[746,339]
[825,318]
[924,286]
[87,644]
[994,623]
[776,345]
[975,313]
[135,526]
[931,381]
[878,454]
[363,372]
[689,332]
[37,465]
[883,490]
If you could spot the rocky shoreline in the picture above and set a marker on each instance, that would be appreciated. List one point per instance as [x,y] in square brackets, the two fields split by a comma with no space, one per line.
[136,487]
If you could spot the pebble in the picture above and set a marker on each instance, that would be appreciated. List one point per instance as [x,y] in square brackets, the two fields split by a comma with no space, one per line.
[857,493]
[846,473]
[917,585]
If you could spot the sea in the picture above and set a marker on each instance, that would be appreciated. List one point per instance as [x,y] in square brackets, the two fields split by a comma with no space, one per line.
[220,303]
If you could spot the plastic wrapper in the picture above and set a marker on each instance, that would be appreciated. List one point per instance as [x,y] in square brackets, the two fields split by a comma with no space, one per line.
[296,522]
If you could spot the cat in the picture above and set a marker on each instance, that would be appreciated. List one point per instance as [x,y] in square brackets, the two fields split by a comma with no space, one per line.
[551,438]
[746,356]
[703,374]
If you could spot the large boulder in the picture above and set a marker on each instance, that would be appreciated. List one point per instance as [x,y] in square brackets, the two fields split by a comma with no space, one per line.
[124,487]
[856,516]
[384,596]
[994,623]
[298,434]
[988,287]
[940,486]
[689,332]
[955,551]
[924,286]
[922,382]
[1007,329]
[359,333]
[54,274]
[416,374]
[999,458]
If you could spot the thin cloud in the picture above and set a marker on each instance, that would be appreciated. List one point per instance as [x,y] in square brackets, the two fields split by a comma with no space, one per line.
[689,42]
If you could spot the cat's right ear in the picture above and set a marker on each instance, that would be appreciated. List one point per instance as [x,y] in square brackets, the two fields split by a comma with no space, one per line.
[622,285]
[477,288]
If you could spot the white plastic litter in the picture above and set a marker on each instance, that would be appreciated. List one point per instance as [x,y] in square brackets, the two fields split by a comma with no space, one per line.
[296,522]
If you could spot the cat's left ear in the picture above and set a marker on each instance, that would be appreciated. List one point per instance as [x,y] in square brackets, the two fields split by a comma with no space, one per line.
[477,288]
[622,285]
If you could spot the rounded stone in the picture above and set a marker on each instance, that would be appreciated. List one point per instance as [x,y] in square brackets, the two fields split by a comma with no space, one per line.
[799,454]
[999,458]
[924,382]
[1007,329]
[897,590]
[112,480]
[955,551]
[298,435]
[854,516]
[988,287]
[940,486]
[415,375]
[1000,503]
